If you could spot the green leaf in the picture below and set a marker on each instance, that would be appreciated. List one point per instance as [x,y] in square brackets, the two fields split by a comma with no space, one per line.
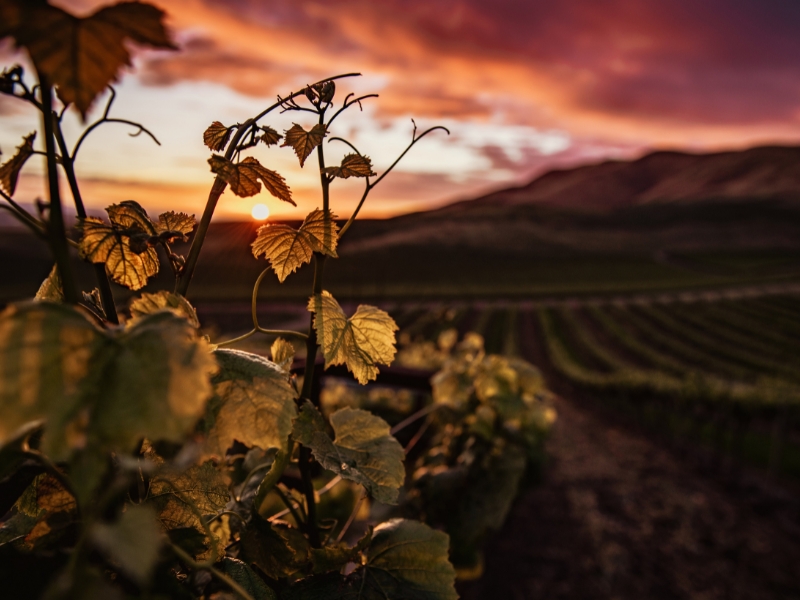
[133,542]
[353,165]
[100,388]
[253,403]
[406,559]
[216,136]
[363,449]
[243,178]
[9,171]
[303,142]
[51,289]
[287,248]
[362,342]
[147,304]
[81,56]
[246,577]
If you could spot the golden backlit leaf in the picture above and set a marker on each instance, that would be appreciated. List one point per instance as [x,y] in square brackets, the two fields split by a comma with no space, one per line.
[287,248]
[282,353]
[130,215]
[353,165]
[51,289]
[175,221]
[244,178]
[253,403]
[270,136]
[81,56]
[103,243]
[150,303]
[104,388]
[216,136]
[303,142]
[363,450]
[9,171]
[362,342]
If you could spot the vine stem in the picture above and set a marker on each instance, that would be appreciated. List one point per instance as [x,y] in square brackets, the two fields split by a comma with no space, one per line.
[231,583]
[57,235]
[182,285]
[68,164]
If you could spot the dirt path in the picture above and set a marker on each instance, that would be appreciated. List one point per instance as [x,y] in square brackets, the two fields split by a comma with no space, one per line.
[619,515]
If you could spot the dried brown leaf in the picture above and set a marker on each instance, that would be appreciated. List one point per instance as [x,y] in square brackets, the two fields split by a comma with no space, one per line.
[216,136]
[270,136]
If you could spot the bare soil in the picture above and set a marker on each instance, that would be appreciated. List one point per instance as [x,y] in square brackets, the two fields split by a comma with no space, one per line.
[620,514]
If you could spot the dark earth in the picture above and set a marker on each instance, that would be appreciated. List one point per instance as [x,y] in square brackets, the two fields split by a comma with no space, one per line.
[622,513]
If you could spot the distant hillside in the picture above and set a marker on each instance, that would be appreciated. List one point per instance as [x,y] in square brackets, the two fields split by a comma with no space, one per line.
[665,201]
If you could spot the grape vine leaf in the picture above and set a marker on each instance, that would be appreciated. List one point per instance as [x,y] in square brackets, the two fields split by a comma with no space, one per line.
[282,353]
[287,248]
[9,171]
[405,559]
[242,574]
[181,499]
[335,556]
[362,342]
[133,542]
[363,449]
[130,215]
[216,136]
[303,142]
[103,389]
[270,136]
[51,289]
[175,222]
[147,304]
[81,56]
[243,177]
[275,548]
[103,243]
[353,165]
[253,403]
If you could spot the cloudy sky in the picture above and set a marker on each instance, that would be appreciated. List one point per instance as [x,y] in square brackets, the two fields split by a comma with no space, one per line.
[524,86]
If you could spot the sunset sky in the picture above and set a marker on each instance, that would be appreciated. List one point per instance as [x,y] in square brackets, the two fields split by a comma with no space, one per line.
[523,86]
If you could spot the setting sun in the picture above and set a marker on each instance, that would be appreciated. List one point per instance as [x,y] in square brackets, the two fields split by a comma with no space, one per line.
[260,212]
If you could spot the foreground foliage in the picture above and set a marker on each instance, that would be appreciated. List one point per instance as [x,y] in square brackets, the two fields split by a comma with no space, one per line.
[137,459]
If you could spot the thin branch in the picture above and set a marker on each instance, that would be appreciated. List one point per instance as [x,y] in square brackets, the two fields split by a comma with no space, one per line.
[22,214]
[289,504]
[348,103]
[338,139]
[254,314]
[191,562]
[352,516]
[371,184]
[415,417]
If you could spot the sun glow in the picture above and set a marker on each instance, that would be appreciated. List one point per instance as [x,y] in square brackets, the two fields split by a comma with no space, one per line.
[260,212]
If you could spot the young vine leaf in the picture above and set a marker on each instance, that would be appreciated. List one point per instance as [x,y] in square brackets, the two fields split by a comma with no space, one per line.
[9,172]
[282,353]
[147,304]
[362,342]
[405,559]
[103,243]
[244,178]
[81,56]
[363,450]
[129,214]
[303,142]
[175,223]
[287,249]
[170,493]
[253,403]
[216,136]
[270,137]
[352,165]
[51,289]
[100,388]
